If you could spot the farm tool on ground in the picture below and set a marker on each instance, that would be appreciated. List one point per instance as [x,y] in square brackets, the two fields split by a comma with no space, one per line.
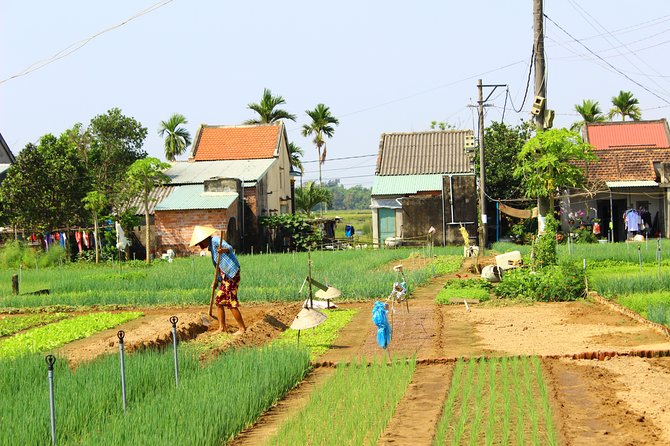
[217,270]
[399,293]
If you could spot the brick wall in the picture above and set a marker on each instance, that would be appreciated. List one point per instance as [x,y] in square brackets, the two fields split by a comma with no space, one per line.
[174,228]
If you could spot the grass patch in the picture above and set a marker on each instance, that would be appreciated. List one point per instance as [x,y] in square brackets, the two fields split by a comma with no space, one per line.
[211,405]
[11,325]
[54,335]
[352,407]
[447,264]
[319,339]
[446,294]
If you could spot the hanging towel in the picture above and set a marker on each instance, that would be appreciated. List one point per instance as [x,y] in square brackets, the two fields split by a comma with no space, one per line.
[121,240]
[63,239]
[380,319]
[87,241]
[77,237]
[349,231]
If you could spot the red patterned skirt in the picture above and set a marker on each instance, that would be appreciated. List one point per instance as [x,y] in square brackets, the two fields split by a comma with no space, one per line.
[226,296]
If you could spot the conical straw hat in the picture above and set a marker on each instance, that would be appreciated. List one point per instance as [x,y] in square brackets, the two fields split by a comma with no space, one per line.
[200,233]
[330,293]
[308,318]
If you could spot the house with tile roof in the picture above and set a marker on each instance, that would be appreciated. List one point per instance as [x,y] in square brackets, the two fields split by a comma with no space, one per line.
[234,174]
[423,180]
[632,172]
[6,157]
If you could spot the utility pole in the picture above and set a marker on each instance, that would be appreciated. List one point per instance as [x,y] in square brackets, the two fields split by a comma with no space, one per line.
[482,173]
[540,91]
[481,103]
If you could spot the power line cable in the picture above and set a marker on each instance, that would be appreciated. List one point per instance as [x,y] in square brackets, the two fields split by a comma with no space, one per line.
[525,94]
[342,158]
[609,64]
[80,44]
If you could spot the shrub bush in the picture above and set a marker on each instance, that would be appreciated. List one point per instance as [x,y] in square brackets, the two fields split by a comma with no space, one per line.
[549,284]
[544,249]
[15,253]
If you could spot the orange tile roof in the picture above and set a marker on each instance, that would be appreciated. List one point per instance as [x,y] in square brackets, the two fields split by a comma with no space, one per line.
[236,142]
[632,134]
[626,164]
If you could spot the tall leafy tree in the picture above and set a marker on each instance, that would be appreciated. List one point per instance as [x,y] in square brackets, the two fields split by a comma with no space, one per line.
[294,154]
[116,143]
[44,187]
[547,163]
[142,177]
[502,144]
[267,109]
[625,105]
[321,125]
[310,196]
[590,112]
[177,138]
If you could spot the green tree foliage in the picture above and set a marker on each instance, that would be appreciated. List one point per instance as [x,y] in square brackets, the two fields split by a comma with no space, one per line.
[142,177]
[267,109]
[116,143]
[44,187]
[321,125]
[547,162]
[355,197]
[294,154]
[625,105]
[296,227]
[177,138]
[590,112]
[502,144]
[544,247]
[310,196]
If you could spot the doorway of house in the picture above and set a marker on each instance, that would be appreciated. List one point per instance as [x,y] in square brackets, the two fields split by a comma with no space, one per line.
[386,224]
[605,212]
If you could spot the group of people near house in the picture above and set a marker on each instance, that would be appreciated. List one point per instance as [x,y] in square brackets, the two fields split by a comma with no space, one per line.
[637,221]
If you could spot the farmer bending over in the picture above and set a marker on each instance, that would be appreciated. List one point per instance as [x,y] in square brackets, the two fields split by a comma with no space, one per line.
[228,278]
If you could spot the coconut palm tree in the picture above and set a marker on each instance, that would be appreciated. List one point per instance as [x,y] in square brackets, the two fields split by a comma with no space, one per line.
[322,124]
[266,109]
[590,112]
[294,154]
[309,197]
[625,105]
[177,138]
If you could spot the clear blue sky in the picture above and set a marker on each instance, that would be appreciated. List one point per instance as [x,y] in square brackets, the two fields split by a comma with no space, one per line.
[381,66]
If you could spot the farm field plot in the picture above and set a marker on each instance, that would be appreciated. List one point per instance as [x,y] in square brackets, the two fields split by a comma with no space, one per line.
[618,401]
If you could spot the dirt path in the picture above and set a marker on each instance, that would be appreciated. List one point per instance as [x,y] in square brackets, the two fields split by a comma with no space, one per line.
[415,419]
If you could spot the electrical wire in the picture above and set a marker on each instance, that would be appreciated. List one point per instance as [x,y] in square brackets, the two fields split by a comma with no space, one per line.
[525,94]
[80,44]
[609,64]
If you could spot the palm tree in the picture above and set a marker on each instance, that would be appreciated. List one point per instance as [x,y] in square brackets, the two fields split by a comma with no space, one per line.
[294,154]
[322,124]
[590,112]
[177,138]
[625,105]
[266,109]
[309,197]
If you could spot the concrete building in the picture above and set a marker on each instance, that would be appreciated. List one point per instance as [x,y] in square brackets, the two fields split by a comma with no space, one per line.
[423,180]
[632,172]
[234,174]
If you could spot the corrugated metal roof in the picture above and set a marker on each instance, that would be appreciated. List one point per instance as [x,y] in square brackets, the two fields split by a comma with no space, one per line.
[390,203]
[631,134]
[196,172]
[236,142]
[194,197]
[616,184]
[405,184]
[155,196]
[423,153]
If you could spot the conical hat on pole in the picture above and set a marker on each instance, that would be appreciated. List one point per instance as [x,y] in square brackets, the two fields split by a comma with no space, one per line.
[308,318]
[330,293]
[200,233]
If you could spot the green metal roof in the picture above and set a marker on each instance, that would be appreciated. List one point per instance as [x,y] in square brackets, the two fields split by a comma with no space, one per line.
[194,197]
[405,184]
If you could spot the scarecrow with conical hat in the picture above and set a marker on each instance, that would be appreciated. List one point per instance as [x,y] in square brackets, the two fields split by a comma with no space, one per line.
[227,277]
